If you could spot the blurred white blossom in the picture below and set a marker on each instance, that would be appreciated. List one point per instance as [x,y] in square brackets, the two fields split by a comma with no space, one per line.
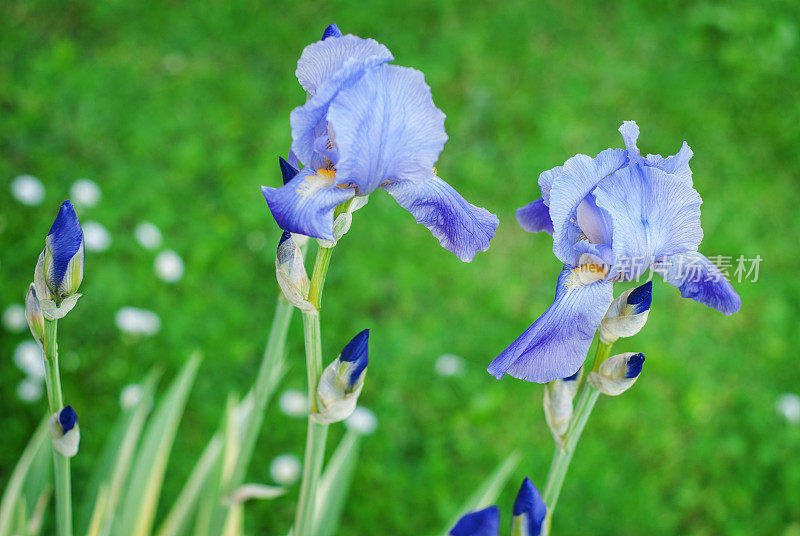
[148,235]
[29,390]
[449,365]
[95,236]
[362,421]
[28,190]
[137,321]
[85,192]
[788,405]
[130,395]
[169,266]
[14,318]
[294,403]
[285,469]
[28,357]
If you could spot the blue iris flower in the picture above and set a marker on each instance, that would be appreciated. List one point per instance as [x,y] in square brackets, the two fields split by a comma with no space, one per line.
[612,217]
[528,516]
[366,125]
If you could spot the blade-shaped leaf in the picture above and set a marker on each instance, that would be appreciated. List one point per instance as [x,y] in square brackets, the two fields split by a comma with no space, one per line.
[14,489]
[334,485]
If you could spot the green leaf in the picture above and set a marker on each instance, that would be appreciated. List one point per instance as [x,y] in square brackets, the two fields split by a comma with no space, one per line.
[147,476]
[14,489]
[334,485]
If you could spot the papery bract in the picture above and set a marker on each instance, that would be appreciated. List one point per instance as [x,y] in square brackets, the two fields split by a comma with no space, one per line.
[617,373]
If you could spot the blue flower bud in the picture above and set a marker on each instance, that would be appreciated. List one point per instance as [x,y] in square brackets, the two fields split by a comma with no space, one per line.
[627,314]
[287,170]
[33,312]
[290,272]
[617,373]
[65,432]
[484,522]
[59,271]
[557,403]
[529,510]
[331,31]
[341,382]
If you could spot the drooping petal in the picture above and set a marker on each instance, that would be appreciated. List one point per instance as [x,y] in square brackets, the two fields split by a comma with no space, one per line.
[484,522]
[676,165]
[535,217]
[308,121]
[461,227]
[305,204]
[700,280]
[529,510]
[319,61]
[579,176]
[556,344]
[652,216]
[386,128]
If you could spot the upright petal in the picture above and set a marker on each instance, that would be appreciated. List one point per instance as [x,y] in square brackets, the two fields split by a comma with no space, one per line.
[556,344]
[676,165]
[484,522]
[535,217]
[630,133]
[319,61]
[700,280]
[579,176]
[387,128]
[305,204]
[546,180]
[460,226]
[652,216]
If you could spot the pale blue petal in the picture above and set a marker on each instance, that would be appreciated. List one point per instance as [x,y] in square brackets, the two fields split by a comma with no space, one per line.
[546,179]
[305,204]
[386,128]
[484,522]
[652,216]
[700,280]
[555,345]
[676,165]
[321,60]
[535,217]
[579,176]
[460,226]
[630,133]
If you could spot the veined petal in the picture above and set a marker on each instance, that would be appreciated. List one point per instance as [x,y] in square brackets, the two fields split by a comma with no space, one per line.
[386,128]
[308,121]
[676,165]
[546,180]
[484,522]
[461,227]
[305,204]
[652,215]
[700,280]
[319,61]
[630,133]
[535,217]
[556,344]
[579,176]
[331,31]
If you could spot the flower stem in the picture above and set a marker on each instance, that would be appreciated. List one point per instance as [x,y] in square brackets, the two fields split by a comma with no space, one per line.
[587,398]
[56,401]
[317,433]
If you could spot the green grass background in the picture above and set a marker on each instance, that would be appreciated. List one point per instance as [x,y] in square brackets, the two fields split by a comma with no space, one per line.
[696,448]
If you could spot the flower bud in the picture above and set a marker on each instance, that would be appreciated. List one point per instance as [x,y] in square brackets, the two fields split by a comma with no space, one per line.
[558,397]
[341,381]
[291,273]
[484,522]
[65,432]
[529,511]
[343,221]
[59,271]
[617,373]
[627,314]
[34,313]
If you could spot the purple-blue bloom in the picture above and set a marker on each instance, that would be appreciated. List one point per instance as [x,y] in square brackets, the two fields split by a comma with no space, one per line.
[528,516]
[366,125]
[612,217]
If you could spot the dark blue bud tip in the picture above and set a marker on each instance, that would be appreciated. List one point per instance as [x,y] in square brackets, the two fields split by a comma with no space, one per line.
[484,522]
[331,31]
[287,171]
[356,352]
[573,377]
[635,364]
[67,418]
[529,502]
[286,235]
[66,222]
[641,297]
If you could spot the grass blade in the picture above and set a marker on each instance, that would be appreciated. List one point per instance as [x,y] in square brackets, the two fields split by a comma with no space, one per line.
[334,485]
[14,488]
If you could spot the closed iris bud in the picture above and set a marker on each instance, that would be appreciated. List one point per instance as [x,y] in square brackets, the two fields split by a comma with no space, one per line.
[484,522]
[33,312]
[291,273]
[59,271]
[617,373]
[627,314]
[65,432]
[341,382]
[558,396]
[529,511]
[342,220]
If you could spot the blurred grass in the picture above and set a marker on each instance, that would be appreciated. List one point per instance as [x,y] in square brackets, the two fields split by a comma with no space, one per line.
[178,111]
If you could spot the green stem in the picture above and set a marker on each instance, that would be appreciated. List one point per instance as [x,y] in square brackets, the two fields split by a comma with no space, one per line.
[586,400]
[56,401]
[317,433]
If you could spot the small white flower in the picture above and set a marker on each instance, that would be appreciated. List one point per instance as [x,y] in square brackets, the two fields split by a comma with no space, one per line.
[294,403]
[28,357]
[169,266]
[130,395]
[285,469]
[137,321]
[449,365]
[362,421]
[85,192]
[95,236]
[28,190]
[14,318]
[788,405]
[29,390]
[148,235]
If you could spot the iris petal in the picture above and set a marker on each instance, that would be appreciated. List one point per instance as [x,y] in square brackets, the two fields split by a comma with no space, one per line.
[305,204]
[535,217]
[461,227]
[484,522]
[653,216]
[387,128]
[65,241]
[556,344]
[700,280]
[676,165]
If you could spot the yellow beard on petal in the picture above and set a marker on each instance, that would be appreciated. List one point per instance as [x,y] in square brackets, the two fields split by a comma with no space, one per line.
[586,274]
[313,183]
